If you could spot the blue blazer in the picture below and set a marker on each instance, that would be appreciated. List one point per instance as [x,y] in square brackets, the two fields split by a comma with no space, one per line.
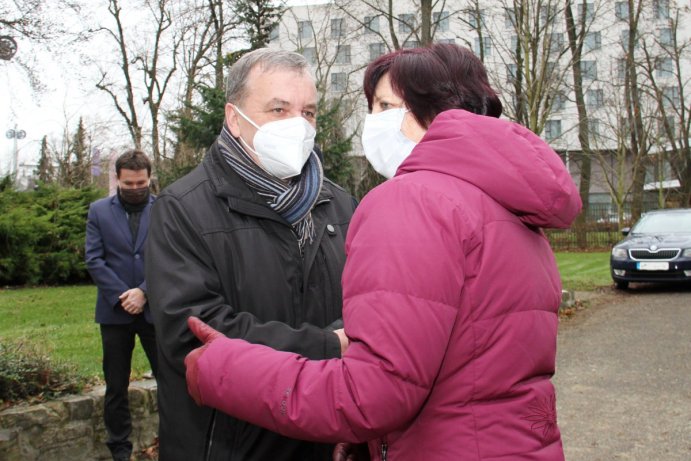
[113,260]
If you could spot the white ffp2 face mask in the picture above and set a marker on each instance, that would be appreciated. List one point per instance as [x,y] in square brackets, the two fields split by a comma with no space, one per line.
[282,146]
[384,145]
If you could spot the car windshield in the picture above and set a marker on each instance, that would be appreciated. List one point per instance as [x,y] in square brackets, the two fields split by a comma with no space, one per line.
[664,223]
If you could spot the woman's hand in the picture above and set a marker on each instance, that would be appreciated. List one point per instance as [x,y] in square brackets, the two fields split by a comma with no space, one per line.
[206,335]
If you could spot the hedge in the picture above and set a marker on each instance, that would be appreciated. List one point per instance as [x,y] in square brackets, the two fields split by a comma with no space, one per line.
[42,235]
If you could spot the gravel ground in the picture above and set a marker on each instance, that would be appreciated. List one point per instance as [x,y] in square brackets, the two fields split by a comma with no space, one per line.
[624,375]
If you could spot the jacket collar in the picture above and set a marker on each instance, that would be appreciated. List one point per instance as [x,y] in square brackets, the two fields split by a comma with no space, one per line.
[229,185]
[122,224]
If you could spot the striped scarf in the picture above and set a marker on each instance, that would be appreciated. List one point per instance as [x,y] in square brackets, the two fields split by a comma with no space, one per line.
[293,198]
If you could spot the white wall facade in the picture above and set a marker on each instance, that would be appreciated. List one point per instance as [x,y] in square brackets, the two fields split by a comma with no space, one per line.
[339,47]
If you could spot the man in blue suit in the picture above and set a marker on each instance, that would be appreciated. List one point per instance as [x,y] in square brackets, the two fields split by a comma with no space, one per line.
[116,231]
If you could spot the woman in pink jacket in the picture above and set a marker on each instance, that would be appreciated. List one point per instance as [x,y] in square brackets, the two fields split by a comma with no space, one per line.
[450,287]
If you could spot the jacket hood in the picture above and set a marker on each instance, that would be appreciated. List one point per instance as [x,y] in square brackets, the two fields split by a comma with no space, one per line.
[505,160]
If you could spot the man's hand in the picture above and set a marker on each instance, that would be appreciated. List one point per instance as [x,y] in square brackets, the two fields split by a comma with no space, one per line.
[206,335]
[133,301]
[343,339]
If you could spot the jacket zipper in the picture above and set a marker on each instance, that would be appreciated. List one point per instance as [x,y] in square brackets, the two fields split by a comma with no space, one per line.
[210,438]
[384,450]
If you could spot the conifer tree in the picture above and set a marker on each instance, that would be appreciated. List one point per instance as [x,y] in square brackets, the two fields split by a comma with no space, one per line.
[45,172]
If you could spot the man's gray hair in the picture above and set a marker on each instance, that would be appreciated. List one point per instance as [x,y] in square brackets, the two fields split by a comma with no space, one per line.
[268,59]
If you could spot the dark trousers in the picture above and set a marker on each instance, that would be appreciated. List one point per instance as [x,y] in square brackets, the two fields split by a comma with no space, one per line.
[118,344]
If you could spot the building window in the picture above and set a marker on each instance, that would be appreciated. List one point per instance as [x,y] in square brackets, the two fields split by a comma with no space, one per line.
[547,14]
[589,70]
[552,129]
[556,42]
[511,72]
[486,49]
[589,8]
[621,11]
[624,127]
[305,31]
[376,50]
[592,41]
[339,81]
[343,54]
[559,101]
[664,67]
[594,127]
[665,36]
[310,54]
[662,127]
[407,23]
[594,99]
[337,28]
[625,39]
[273,33]
[661,9]
[670,97]
[450,41]
[621,69]
[551,68]
[371,24]
[513,43]
[411,44]
[510,18]
[441,19]
[477,18]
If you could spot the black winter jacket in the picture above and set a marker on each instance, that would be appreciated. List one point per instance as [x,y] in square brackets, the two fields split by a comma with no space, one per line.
[217,251]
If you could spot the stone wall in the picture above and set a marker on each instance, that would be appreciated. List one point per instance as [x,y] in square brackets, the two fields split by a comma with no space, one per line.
[71,428]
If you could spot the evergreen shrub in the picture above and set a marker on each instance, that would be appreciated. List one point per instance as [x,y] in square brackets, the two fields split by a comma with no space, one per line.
[42,234]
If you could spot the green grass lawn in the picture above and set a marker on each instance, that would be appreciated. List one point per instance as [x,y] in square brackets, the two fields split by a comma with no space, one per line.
[584,271]
[60,321]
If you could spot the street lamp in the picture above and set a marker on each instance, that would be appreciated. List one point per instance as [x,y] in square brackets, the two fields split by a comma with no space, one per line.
[15,134]
[8,47]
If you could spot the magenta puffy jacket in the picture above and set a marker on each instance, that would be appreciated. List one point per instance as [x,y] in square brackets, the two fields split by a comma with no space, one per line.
[451,294]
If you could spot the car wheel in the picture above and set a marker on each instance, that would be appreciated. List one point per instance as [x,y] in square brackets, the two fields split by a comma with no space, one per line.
[622,285]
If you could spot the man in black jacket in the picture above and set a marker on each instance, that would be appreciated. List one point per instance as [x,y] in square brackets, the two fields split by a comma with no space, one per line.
[251,242]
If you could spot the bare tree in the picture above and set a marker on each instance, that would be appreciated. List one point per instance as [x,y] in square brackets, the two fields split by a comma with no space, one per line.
[416,27]
[535,59]
[664,59]
[155,64]
[27,26]
[36,20]
[576,33]
[327,37]
[610,147]
[639,144]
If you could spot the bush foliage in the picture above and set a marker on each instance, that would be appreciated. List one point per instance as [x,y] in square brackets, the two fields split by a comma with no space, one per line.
[27,373]
[42,235]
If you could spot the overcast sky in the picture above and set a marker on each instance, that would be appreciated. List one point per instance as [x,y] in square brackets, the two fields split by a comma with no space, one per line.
[63,93]
[68,91]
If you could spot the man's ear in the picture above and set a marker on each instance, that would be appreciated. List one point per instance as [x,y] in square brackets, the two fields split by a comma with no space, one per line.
[232,120]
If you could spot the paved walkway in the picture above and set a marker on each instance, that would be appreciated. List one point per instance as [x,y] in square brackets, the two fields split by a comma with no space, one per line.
[624,377]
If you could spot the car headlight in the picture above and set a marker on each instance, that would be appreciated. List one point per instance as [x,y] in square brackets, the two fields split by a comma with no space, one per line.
[686,253]
[619,253]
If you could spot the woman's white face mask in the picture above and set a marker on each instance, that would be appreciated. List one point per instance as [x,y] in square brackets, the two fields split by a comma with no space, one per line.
[283,146]
[385,146]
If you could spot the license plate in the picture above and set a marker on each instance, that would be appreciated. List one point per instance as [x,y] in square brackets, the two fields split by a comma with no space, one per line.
[652,266]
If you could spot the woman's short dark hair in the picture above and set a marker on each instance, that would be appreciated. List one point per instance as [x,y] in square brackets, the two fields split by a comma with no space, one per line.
[432,80]
[133,159]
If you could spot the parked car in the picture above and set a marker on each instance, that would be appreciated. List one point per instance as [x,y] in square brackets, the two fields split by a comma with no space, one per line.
[656,249]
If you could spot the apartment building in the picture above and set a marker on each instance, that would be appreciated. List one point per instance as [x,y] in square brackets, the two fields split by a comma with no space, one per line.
[525,47]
